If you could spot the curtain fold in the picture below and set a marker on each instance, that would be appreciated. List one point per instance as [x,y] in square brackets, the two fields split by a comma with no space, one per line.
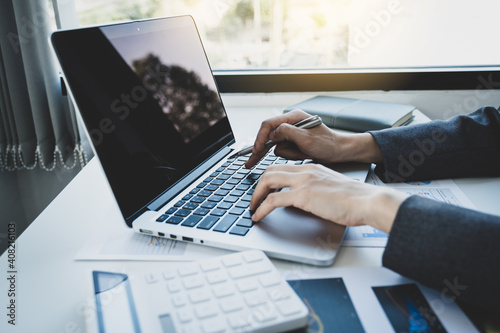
[37,123]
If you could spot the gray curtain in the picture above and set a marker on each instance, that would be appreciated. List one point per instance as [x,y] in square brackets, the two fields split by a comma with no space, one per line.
[37,123]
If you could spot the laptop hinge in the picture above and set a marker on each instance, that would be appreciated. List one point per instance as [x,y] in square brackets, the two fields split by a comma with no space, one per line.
[188,179]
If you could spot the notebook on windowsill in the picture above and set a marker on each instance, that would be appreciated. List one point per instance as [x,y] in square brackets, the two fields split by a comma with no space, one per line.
[356,114]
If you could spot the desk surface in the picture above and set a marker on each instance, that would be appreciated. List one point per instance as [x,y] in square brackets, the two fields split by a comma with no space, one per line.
[51,285]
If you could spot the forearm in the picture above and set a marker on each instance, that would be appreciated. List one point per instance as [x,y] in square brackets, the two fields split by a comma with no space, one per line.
[442,246]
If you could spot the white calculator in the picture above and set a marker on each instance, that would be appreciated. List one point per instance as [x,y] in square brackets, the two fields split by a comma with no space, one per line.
[239,292]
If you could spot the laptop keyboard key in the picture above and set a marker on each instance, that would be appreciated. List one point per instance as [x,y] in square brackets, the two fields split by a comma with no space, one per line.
[225,205]
[237,193]
[215,198]
[191,221]
[187,197]
[244,222]
[182,212]
[190,206]
[179,203]
[218,212]
[233,181]
[236,211]
[209,204]
[242,187]
[240,231]
[222,192]
[231,199]
[243,204]
[201,211]
[247,197]
[198,199]
[208,222]
[225,223]
[211,187]
[174,220]
[162,218]
[171,210]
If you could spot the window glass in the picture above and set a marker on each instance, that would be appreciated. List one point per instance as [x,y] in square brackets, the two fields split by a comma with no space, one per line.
[325,34]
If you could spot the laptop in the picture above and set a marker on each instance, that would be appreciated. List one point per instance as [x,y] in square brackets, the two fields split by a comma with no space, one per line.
[147,96]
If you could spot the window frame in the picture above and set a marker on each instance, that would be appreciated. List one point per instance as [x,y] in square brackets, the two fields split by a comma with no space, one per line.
[385,79]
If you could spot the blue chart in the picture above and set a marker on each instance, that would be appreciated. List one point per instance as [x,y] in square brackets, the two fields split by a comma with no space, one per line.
[330,305]
[374,233]
[407,309]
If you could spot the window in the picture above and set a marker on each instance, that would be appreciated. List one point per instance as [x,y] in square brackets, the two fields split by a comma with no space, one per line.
[325,34]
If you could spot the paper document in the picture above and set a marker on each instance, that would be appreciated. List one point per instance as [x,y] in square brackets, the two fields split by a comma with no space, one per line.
[374,299]
[441,190]
[125,244]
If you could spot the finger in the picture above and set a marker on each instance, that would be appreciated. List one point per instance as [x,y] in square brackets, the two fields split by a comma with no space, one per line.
[255,157]
[265,130]
[273,201]
[275,177]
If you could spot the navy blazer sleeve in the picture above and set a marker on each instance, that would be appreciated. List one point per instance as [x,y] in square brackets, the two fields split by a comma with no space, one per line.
[452,249]
[463,146]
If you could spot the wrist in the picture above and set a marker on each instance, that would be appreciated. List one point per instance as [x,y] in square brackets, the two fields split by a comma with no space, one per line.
[384,207]
[363,148]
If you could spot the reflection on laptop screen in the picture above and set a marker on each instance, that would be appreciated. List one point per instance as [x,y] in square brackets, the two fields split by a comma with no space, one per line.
[149,101]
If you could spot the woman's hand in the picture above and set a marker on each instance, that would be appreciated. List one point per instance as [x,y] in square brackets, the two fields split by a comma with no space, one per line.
[327,194]
[320,144]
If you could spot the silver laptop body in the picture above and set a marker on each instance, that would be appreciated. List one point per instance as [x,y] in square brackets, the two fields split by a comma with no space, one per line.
[151,107]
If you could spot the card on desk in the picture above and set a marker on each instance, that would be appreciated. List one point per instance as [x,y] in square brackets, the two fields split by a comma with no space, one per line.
[356,114]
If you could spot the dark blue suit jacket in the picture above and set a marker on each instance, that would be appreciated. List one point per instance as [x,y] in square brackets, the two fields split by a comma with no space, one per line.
[452,249]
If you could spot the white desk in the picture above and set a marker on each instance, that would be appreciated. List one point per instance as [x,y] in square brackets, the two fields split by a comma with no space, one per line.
[51,285]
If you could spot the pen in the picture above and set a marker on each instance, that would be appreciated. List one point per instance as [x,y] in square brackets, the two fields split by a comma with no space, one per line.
[306,123]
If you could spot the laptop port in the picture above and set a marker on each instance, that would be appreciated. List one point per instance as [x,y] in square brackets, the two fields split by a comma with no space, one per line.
[161,234]
[187,239]
[144,231]
[173,236]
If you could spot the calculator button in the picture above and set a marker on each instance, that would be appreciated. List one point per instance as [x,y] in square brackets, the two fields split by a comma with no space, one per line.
[278,294]
[231,304]
[216,277]
[231,261]
[179,300]
[174,286]
[199,296]
[205,311]
[184,315]
[215,325]
[246,285]
[168,275]
[269,280]
[223,290]
[193,282]
[289,308]
[151,278]
[210,266]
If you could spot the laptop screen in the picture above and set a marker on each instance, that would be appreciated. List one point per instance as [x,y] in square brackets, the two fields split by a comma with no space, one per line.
[149,102]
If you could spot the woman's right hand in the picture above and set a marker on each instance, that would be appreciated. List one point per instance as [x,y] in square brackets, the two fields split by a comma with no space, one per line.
[320,143]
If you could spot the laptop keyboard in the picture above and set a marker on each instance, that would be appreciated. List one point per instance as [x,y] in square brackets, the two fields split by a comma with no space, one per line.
[221,201]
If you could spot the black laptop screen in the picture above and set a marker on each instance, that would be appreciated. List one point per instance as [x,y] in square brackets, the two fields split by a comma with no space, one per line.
[149,102]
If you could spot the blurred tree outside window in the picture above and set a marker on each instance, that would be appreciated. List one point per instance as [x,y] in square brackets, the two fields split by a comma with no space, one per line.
[324,34]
